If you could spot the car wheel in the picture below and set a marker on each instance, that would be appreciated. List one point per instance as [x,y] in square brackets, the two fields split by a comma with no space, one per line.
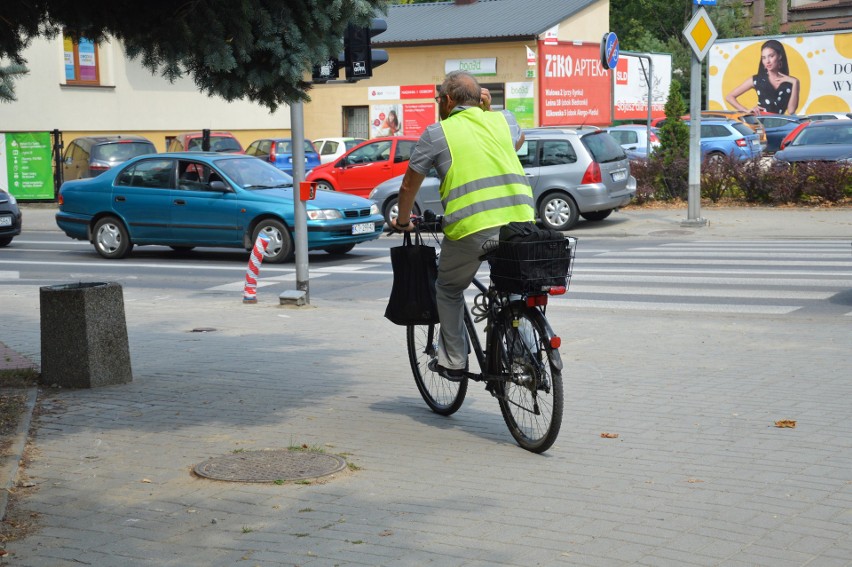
[111,238]
[558,211]
[324,186]
[5,241]
[340,248]
[280,247]
[596,215]
[392,210]
[715,158]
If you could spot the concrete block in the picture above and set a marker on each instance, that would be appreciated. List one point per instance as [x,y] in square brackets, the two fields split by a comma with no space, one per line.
[84,335]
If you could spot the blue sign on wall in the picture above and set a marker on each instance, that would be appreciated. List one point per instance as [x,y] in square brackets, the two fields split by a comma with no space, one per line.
[704,2]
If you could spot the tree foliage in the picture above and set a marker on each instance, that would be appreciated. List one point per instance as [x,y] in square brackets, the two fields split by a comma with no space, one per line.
[255,49]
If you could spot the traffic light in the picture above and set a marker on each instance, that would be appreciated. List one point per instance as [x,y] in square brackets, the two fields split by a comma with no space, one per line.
[358,56]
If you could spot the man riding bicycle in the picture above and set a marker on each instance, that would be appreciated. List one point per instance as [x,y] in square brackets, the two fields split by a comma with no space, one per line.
[483,187]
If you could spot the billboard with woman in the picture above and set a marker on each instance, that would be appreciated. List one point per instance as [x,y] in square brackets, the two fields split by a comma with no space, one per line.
[793,74]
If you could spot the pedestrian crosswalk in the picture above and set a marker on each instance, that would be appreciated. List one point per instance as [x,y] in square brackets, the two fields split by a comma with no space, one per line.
[773,277]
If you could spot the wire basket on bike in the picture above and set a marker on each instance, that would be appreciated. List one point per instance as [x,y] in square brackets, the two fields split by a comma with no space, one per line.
[532,266]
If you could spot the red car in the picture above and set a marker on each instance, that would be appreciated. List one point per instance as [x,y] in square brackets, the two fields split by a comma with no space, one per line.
[223,142]
[366,165]
[792,135]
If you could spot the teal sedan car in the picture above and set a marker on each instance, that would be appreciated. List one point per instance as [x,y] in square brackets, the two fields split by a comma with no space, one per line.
[190,199]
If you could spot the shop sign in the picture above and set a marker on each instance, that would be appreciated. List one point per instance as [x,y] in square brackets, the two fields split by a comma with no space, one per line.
[574,86]
[477,67]
[26,169]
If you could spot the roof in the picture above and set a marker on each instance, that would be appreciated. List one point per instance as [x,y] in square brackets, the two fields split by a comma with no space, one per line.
[485,20]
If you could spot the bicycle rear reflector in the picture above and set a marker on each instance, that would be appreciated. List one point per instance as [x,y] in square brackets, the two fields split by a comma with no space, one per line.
[557,290]
[555,342]
[536,300]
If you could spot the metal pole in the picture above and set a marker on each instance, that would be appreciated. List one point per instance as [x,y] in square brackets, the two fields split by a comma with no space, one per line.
[300,210]
[650,102]
[694,194]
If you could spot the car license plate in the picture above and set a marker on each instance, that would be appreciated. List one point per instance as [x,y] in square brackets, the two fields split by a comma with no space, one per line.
[619,175]
[6,221]
[363,228]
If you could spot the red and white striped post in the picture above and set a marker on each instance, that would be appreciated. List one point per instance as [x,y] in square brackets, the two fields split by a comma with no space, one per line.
[257,254]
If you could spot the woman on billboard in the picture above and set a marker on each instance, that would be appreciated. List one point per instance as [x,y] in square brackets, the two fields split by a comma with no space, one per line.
[777,91]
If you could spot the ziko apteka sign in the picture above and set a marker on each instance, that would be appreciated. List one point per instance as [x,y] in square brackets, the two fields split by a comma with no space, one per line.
[821,63]
[26,170]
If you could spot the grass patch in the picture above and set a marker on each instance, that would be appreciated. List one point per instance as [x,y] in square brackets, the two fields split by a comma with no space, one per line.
[19,377]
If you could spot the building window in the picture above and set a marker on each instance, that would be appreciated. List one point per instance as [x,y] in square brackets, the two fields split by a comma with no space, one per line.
[81,62]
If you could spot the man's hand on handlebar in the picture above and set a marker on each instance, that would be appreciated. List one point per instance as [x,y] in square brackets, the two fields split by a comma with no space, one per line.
[396,227]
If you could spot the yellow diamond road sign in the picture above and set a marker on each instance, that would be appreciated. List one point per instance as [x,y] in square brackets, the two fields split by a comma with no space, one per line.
[700,33]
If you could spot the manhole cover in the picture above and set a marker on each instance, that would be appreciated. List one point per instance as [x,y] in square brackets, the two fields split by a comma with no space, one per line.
[269,466]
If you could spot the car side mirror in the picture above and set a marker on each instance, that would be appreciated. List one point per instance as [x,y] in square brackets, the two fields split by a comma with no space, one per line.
[217,185]
[400,159]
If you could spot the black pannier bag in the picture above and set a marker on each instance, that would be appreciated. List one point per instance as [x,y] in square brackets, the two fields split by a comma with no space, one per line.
[415,269]
[529,259]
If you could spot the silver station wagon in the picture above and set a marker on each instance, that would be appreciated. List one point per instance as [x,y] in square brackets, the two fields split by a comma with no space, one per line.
[573,172]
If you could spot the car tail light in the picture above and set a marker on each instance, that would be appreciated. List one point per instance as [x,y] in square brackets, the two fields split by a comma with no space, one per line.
[654,138]
[61,199]
[98,168]
[593,174]
[742,142]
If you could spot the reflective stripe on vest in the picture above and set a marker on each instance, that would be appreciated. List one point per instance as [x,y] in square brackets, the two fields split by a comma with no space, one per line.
[485,186]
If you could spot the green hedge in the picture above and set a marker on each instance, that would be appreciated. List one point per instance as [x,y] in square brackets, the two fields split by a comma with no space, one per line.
[761,181]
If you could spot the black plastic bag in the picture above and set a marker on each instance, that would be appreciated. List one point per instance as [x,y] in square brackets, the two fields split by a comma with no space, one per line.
[415,269]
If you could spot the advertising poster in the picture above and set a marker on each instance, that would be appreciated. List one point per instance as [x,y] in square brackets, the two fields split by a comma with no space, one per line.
[520,101]
[821,63]
[574,88]
[385,120]
[631,86]
[417,118]
[26,169]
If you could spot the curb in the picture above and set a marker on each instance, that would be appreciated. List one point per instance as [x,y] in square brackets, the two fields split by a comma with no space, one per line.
[9,465]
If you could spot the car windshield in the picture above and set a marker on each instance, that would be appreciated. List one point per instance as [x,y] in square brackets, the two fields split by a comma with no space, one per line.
[603,147]
[217,144]
[285,147]
[742,129]
[833,135]
[121,151]
[251,173]
[352,143]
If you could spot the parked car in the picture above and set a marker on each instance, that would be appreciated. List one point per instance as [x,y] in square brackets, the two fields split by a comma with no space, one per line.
[366,165]
[777,126]
[223,142]
[279,152]
[204,199]
[746,118]
[792,135]
[634,139]
[820,140]
[89,156]
[831,116]
[10,218]
[573,174]
[330,149]
[722,138]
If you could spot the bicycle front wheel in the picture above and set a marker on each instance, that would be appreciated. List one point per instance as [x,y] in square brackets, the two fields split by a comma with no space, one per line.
[530,396]
[441,395]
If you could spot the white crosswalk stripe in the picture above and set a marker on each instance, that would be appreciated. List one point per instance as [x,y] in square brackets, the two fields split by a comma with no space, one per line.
[763,276]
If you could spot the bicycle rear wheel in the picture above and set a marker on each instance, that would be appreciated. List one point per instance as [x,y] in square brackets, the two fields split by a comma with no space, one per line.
[441,395]
[531,396]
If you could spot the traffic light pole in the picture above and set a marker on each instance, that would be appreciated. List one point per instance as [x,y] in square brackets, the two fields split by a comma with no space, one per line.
[300,210]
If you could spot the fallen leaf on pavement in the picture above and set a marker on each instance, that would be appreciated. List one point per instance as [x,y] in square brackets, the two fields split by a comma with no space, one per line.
[694,480]
[146,480]
[786,423]
[609,435]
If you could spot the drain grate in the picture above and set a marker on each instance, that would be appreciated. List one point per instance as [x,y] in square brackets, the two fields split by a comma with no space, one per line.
[269,466]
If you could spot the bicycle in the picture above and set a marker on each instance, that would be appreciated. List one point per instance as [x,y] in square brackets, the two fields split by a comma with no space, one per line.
[520,363]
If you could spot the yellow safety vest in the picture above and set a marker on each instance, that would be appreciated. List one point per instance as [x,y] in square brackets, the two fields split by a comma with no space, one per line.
[485,185]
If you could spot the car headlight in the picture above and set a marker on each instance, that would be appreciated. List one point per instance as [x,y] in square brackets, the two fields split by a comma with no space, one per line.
[374,209]
[14,201]
[324,214]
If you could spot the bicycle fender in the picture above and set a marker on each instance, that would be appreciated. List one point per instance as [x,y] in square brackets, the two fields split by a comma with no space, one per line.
[538,318]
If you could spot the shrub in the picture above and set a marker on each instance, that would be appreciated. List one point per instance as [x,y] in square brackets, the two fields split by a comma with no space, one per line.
[827,182]
[718,177]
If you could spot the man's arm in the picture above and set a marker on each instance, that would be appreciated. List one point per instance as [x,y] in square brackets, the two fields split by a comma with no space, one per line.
[411,182]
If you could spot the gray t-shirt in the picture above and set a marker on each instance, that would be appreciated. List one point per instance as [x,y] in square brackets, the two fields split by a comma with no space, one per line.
[432,149]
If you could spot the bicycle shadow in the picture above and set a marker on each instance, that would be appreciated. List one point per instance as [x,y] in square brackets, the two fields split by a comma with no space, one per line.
[487,425]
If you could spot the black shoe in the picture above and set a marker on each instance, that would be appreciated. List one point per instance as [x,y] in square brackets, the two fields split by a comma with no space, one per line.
[451,374]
